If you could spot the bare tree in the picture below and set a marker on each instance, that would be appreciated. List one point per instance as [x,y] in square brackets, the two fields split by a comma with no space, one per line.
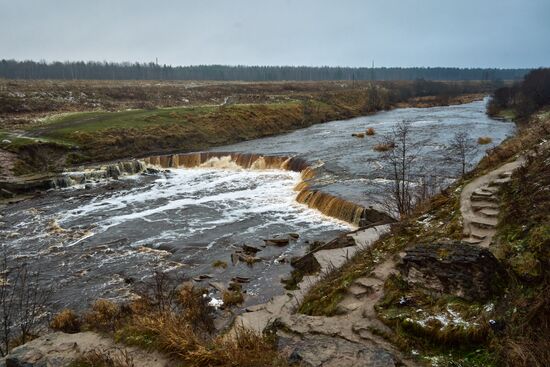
[401,156]
[462,148]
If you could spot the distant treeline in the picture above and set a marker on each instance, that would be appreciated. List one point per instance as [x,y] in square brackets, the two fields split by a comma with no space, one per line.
[12,69]
[525,97]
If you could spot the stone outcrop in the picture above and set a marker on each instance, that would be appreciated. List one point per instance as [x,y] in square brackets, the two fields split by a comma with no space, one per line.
[456,268]
[81,175]
[326,351]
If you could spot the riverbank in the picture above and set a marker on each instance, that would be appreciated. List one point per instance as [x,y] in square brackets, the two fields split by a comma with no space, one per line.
[453,293]
[39,139]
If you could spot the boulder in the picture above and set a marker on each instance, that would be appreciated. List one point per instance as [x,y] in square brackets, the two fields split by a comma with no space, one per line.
[463,270]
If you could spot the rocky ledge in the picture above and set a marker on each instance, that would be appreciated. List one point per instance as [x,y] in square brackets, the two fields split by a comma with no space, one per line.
[456,268]
[61,349]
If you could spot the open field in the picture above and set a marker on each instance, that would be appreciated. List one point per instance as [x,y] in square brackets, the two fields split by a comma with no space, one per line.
[71,122]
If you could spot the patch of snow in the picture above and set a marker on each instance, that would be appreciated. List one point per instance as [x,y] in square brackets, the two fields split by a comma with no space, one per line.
[426,220]
[215,302]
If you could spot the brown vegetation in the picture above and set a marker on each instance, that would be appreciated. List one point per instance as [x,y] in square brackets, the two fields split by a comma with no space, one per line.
[370,131]
[103,315]
[483,140]
[219,264]
[383,147]
[232,298]
[173,318]
[66,321]
[104,358]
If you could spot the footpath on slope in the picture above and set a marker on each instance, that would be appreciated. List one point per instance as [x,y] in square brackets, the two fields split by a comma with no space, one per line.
[479,205]
[345,339]
[351,338]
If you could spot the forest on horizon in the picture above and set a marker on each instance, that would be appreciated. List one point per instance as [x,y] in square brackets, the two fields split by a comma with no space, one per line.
[70,70]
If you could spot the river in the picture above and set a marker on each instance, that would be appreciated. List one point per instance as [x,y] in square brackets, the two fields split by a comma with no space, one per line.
[98,241]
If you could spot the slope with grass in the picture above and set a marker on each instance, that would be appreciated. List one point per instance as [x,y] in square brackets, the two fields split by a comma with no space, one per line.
[510,328]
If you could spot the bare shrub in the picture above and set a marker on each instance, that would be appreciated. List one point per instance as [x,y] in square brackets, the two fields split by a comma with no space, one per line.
[462,148]
[401,153]
[177,320]
[195,309]
[370,131]
[22,303]
[160,292]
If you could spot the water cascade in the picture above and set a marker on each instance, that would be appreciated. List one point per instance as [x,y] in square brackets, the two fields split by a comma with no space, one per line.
[326,203]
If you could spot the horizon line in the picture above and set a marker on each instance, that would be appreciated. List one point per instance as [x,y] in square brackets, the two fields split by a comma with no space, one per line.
[154,62]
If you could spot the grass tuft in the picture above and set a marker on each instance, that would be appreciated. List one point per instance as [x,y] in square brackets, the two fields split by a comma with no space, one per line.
[219,264]
[232,298]
[383,147]
[66,321]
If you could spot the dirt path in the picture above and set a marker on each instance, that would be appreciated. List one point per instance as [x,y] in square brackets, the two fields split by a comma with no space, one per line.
[347,339]
[479,204]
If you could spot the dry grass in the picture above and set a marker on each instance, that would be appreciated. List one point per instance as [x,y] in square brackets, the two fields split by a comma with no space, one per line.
[116,357]
[67,321]
[484,140]
[232,298]
[178,321]
[243,348]
[219,264]
[383,147]
[370,131]
[104,315]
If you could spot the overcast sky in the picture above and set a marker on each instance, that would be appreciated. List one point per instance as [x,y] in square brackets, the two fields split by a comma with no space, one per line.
[464,33]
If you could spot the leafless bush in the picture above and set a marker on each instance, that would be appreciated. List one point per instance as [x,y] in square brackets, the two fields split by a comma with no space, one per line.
[401,156]
[22,303]
[160,291]
[462,149]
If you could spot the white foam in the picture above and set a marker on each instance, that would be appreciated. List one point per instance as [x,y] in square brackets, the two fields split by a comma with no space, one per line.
[233,195]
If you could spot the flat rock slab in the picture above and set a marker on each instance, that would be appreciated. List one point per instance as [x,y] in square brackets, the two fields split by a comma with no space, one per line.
[61,349]
[326,351]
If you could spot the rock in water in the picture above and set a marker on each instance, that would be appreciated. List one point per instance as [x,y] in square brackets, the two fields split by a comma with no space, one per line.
[456,268]
[277,241]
